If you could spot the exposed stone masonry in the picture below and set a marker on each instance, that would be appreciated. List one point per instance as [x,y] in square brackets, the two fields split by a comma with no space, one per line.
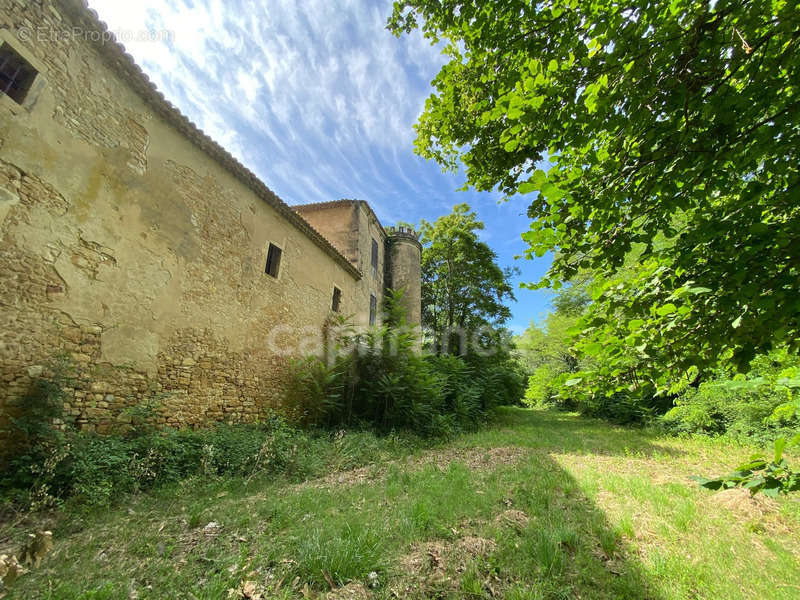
[133,247]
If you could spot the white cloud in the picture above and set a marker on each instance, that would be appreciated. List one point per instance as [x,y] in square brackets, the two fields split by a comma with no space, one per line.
[315,96]
[315,82]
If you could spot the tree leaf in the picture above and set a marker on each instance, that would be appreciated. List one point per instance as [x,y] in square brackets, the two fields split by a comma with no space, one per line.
[635,324]
[666,309]
[527,187]
[780,444]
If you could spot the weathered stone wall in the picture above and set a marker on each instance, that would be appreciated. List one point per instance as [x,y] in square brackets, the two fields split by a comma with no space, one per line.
[372,282]
[405,271]
[351,225]
[135,246]
[338,221]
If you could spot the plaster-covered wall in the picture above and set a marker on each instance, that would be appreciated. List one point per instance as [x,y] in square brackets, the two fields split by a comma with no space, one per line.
[405,272]
[135,251]
[351,225]
[372,282]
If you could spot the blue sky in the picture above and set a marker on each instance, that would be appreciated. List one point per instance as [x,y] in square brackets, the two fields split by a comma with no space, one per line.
[319,100]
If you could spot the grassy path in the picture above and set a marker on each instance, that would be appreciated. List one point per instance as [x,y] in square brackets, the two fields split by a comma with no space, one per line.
[540,505]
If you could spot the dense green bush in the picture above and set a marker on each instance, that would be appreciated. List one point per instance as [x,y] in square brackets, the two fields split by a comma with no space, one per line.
[542,388]
[500,376]
[381,379]
[94,468]
[760,407]
[550,388]
[40,447]
[624,408]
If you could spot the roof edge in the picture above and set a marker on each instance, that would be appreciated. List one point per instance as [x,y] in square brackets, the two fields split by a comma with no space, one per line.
[123,64]
[342,202]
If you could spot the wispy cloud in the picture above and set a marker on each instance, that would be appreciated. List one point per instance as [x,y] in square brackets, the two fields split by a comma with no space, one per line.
[316,97]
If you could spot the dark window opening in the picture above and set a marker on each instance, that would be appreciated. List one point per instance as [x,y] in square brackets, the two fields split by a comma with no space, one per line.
[373,308]
[336,300]
[374,258]
[16,74]
[273,260]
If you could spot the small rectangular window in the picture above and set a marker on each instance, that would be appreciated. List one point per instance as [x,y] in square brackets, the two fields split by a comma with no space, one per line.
[374,258]
[336,300]
[16,74]
[373,309]
[273,260]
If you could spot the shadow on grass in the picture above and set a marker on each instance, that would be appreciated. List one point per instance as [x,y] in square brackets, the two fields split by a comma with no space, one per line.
[569,549]
[561,544]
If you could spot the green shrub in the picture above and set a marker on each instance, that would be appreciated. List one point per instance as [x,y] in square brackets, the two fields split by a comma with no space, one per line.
[94,469]
[758,409]
[381,379]
[98,468]
[316,391]
[623,408]
[500,376]
[541,390]
[39,444]
[424,393]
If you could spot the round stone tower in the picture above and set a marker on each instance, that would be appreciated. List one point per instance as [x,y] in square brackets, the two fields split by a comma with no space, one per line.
[404,270]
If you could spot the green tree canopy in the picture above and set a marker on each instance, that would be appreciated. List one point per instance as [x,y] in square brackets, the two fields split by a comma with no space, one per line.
[545,351]
[548,343]
[673,120]
[463,287]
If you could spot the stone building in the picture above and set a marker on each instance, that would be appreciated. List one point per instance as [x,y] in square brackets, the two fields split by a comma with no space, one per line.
[137,247]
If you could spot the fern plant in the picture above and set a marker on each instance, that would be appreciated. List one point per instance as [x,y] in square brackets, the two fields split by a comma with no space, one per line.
[316,390]
[382,378]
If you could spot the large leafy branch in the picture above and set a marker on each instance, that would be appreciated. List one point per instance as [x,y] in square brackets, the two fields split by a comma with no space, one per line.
[672,121]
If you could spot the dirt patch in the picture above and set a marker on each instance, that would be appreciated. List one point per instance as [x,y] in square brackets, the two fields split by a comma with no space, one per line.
[474,458]
[247,590]
[740,502]
[424,559]
[474,546]
[515,519]
[351,591]
[346,478]
[434,559]
[197,540]
[434,567]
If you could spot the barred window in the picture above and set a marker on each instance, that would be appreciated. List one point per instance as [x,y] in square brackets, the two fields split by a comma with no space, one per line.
[336,300]
[16,74]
